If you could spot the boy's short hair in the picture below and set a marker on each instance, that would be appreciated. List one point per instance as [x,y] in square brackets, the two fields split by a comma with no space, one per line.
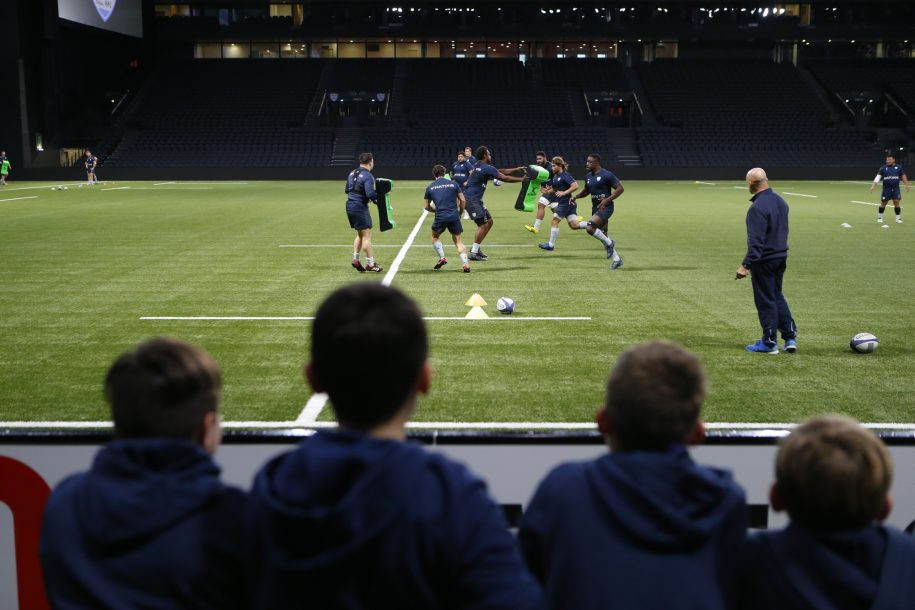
[833,474]
[654,396]
[368,347]
[595,156]
[438,171]
[481,152]
[365,158]
[164,388]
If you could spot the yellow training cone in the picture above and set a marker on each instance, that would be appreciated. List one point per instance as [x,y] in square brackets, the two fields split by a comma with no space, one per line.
[475,300]
[476,313]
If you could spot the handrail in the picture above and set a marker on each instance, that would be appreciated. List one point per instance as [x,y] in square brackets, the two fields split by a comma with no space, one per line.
[638,104]
[323,99]
[895,103]
[120,101]
[587,103]
[844,103]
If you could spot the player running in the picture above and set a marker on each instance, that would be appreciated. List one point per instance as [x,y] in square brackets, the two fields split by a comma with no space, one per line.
[890,174]
[604,187]
[561,186]
[445,198]
[482,172]
[547,200]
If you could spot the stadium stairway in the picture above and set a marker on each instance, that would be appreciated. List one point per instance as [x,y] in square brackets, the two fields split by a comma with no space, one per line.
[638,90]
[346,146]
[312,117]
[625,147]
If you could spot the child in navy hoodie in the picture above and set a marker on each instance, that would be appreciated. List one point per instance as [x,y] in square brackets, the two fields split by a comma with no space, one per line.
[150,525]
[356,518]
[643,526]
[833,477]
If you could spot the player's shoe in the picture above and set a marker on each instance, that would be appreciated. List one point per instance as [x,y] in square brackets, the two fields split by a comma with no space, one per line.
[466,268]
[879,220]
[358,266]
[790,345]
[898,221]
[532,229]
[476,256]
[616,265]
[761,348]
[483,254]
[441,263]
[546,246]
[374,268]
[610,248]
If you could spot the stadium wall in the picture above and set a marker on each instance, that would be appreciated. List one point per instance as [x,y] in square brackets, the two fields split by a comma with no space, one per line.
[32,463]
[423,173]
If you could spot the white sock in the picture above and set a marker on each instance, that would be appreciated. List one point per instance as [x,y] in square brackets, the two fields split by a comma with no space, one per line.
[599,235]
[616,255]
[464,257]
[898,216]
[537,223]
[583,224]
[554,233]
[475,247]
[439,249]
[370,260]
[355,256]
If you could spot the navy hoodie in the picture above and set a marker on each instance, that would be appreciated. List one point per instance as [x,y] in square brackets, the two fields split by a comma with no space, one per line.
[800,568]
[149,526]
[635,530]
[351,522]
[767,228]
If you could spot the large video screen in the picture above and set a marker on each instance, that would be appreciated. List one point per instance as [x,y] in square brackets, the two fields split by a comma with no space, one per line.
[122,16]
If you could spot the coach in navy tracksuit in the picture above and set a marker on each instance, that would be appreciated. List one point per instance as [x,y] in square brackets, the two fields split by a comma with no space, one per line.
[767,253]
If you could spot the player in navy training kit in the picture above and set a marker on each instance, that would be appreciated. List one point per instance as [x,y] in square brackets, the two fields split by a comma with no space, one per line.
[891,174]
[91,162]
[360,189]
[604,187]
[469,158]
[476,186]
[561,187]
[449,202]
[460,170]
[547,200]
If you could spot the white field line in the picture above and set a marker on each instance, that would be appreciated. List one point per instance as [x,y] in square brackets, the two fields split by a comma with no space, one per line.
[218,183]
[708,183]
[306,318]
[350,245]
[450,425]
[116,188]
[180,188]
[800,195]
[392,270]
[743,188]
[312,409]
[865,203]
[20,198]
[852,182]
[47,186]
[163,183]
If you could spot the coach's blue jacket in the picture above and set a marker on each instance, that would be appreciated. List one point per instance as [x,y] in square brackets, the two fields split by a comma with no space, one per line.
[635,530]
[149,526]
[348,521]
[800,568]
[767,228]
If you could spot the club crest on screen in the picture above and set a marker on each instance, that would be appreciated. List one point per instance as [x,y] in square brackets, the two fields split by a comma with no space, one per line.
[104,8]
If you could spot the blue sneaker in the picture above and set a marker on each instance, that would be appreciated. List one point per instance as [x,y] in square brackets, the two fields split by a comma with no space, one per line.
[610,248]
[546,246]
[761,348]
[790,345]
[616,264]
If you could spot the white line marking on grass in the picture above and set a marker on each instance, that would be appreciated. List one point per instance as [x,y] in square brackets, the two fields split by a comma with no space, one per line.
[306,318]
[708,183]
[116,188]
[851,182]
[219,183]
[865,203]
[149,188]
[800,195]
[47,186]
[312,409]
[739,187]
[436,425]
[392,270]
[350,245]
[163,183]
[20,198]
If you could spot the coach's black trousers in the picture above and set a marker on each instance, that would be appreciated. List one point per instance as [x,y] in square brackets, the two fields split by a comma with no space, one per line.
[771,305]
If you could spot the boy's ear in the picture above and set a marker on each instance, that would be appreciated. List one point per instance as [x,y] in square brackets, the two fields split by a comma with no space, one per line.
[603,422]
[887,508]
[697,435]
[775,498]
[313,380]
[424,381]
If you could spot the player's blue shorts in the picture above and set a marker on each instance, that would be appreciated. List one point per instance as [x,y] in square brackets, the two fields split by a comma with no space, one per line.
[359,217]
[566,208]
[604,214]
[478,212]
[890,193]
[452,223]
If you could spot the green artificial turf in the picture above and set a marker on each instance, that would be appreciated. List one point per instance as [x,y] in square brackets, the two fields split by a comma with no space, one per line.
[80,268]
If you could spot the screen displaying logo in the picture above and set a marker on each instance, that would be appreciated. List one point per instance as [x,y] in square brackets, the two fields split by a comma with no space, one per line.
[105,8]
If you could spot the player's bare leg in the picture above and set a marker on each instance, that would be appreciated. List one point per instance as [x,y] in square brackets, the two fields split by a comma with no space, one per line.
[462,251]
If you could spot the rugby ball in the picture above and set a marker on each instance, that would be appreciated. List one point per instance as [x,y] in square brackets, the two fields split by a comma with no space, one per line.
[505,305]
[496,182]
[864,343]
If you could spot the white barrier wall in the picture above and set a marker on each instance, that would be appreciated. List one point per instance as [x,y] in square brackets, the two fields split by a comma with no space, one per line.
[511,466]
